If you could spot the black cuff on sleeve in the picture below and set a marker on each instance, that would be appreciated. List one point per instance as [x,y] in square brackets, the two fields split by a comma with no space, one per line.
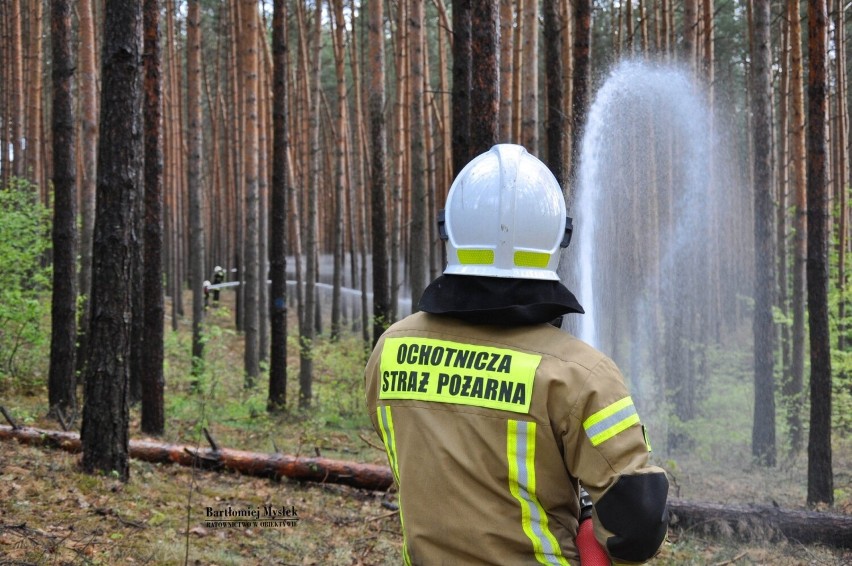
[634,510]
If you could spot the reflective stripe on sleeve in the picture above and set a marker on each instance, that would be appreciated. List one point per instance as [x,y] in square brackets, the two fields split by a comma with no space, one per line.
[389,438]
[611,420]
[520,450]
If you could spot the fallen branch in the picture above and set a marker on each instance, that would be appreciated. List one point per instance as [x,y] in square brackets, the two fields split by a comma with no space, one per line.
[761,522]
[745,521]
[366,476]
[213,445]
[9,418]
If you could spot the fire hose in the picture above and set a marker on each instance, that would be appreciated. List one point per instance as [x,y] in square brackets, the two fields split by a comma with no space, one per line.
[591,551]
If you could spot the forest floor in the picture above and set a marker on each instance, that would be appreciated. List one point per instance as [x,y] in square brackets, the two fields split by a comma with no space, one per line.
[52,513]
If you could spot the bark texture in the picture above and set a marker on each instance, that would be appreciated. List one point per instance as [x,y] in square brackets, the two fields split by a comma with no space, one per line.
[485,80]
[382,307]
[763,432]
[582,79]
[106,412]
[278,215]
[62,395]
[820,477]
[461,84]
[194,179]
[153,381]
[555,120]
[251,275]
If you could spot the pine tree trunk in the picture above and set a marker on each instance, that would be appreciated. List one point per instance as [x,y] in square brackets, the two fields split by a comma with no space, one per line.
[173,167]
[781,209]
[763,432]
[554,122]
[308,325]
[249,84]
[462,77]
[264,122]
[820,478]
[137,297]
[153,381]
[62,395]
[567,15]
[529,69]
[106,413]
[88,144]
[168,163]
[193,180]
[445,157]
[361,165]
[793,390]
[399,164]
[842,129]
[137,266]
[4,94]
[339,165]
[277,400]
[435,245]
[707,46]
[418,255]
[17,99]
[506,68]
[628,29]
[301,163]
[236,98]
[35,86]
[689,49]
[378,169]
[485,82]
[582,79]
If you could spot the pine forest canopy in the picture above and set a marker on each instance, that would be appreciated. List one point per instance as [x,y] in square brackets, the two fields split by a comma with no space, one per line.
[312,145]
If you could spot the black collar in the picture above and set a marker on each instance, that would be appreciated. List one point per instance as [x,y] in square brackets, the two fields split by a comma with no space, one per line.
[497,300]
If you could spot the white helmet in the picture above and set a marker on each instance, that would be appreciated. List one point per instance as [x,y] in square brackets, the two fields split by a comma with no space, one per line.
[505,217]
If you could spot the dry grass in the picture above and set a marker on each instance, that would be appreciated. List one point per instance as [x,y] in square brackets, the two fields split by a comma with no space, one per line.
[50,513]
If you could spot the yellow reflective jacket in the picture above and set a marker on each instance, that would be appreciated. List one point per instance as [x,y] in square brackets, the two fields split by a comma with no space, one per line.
[488,430]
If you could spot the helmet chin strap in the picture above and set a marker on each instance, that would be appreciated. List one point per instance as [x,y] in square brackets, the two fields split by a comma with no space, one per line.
[442,226]
[566,239]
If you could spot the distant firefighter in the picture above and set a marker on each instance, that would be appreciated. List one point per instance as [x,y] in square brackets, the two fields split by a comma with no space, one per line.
[218,277]
[206,292]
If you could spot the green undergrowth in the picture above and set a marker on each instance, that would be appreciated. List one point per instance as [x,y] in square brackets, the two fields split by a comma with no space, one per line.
[25,280]
[237,416]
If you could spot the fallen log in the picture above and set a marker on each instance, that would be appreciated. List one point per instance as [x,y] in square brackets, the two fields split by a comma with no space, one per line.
[761,523]
[750,522]
[322,470]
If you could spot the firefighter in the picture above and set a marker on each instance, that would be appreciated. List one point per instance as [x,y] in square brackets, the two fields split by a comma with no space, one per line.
[493,418]
[218,277]
[206,287]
